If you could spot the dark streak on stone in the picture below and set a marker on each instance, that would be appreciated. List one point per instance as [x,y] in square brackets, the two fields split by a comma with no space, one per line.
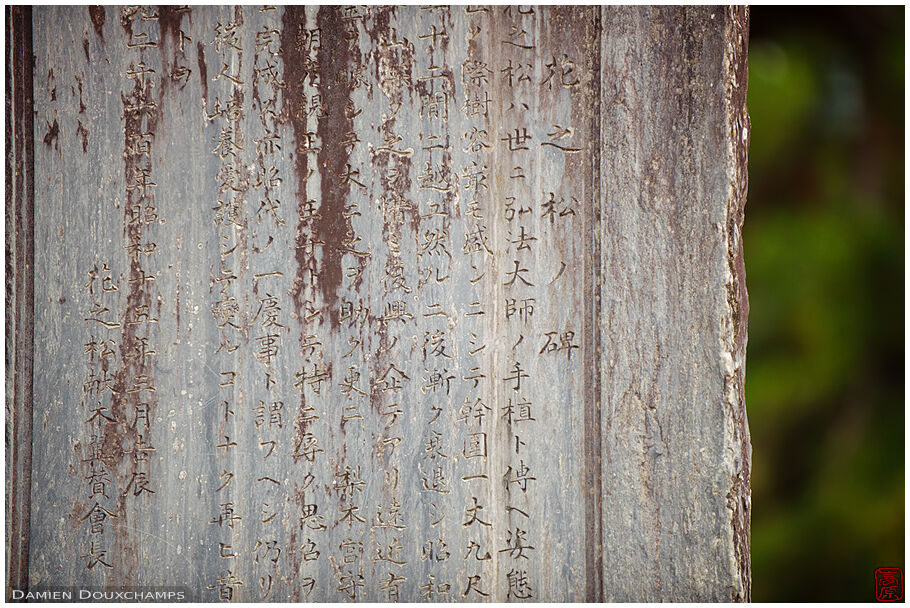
[335,86]
[379,34]
[81,102]
[169,28]
[203,72]
[294,110]
[381,56]
[380,30]
[257,103]
[169,18]
[388,55]
[124,432]
[53,130]
[127,26]
[20,281]
[401,58]
[51,85]
[295,559]
[242,186]
[589,110]
[85,49]
[83,132]
[96,13]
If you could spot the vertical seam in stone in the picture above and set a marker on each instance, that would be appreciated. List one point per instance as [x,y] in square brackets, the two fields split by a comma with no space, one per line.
[19,308]
[592,407]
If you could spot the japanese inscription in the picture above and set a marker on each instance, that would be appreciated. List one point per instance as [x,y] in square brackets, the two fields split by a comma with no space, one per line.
[333,337]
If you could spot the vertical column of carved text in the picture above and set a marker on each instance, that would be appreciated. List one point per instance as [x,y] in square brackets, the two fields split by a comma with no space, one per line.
[520,281]
[436,193]
[561,142]
[97,394]
[226,114]
[301,106]
[268,240]
[342,161]
[135,395]
[475,526]
[391,372]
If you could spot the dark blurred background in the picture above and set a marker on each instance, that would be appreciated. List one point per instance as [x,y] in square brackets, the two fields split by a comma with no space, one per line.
[824,249]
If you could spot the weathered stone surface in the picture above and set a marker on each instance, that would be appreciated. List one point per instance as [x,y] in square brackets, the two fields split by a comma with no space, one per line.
[418,304]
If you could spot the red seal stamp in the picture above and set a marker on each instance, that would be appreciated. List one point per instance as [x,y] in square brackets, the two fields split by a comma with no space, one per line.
[889,584]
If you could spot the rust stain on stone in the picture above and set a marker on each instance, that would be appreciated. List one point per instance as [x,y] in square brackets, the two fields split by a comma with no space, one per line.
[50,138]
[123,434]
[380,23]
[392,60]
[81,101]
[83,132]
[203,71]
[294,111]
[169,18]
[80,510]
[335,87]
[138,298]
[85,50]
[295,558]
[170,43]
[96,14]
[20,290]
[127,25]
[51,85]
[295,62]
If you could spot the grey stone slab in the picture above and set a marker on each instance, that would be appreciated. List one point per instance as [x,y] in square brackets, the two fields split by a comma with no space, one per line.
[379,304]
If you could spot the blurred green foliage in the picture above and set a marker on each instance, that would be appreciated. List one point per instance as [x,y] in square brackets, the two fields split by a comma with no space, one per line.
[824,248]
